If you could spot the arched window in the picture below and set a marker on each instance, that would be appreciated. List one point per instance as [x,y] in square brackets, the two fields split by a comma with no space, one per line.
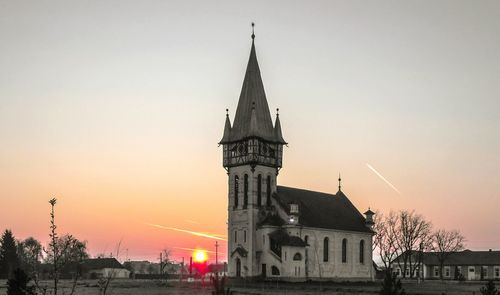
[275,271]
[306,239]
[268,191]
[297,257]
[245,195]
[325,249]
[236,190]
[344,250]
[362,251]
[259,190]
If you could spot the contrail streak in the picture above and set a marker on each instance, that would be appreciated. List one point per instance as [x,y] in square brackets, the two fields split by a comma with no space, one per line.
[187,231]
[383,178]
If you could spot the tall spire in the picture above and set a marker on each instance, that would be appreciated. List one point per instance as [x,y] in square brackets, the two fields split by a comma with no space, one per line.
[252,96]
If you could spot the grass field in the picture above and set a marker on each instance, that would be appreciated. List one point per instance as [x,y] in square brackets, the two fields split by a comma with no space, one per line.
[148,287]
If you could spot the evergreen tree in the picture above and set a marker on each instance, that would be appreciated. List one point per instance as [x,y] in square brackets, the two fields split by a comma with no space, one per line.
[489,289]
[9,260]
[19,284]
[391,285]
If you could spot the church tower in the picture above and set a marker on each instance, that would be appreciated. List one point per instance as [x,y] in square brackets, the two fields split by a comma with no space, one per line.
[252,157]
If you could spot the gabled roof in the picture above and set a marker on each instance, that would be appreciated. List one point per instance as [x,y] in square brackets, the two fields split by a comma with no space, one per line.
[273,220]
[322,210]
[100,263]
[284,239]
[241,251]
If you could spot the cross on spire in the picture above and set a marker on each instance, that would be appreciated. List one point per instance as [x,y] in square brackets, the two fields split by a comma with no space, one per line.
[340,182]
[253,32]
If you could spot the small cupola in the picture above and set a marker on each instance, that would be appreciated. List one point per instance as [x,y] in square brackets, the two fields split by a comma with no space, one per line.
[369,218]
[294,214]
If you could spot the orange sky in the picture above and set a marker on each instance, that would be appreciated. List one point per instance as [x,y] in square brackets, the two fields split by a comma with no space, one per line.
[116,110]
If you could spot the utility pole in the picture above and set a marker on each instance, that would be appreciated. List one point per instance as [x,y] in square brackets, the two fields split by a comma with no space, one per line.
[161,263]
[216,253]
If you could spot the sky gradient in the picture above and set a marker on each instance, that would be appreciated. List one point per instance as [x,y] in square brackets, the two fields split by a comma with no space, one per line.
[116,108]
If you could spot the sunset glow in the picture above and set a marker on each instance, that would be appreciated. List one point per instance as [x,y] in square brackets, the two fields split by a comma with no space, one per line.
[116,109]
[200,256]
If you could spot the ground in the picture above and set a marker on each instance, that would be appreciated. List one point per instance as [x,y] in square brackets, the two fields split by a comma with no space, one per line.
[149,287]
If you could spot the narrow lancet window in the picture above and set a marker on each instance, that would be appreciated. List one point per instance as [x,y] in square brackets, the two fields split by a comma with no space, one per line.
[245,196]
[259,190]
[236,190]
[268,191]
[344,250]
[326,243]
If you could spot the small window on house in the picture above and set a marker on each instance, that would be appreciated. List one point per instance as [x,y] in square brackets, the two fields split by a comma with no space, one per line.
[447,271]
[497,271]
[297,257]
[275,271]
[294,208]
[325,249]
[484,272]
[436,271]
[344,250]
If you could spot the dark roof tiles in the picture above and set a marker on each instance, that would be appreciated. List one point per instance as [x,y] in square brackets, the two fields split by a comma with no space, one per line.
[322,210]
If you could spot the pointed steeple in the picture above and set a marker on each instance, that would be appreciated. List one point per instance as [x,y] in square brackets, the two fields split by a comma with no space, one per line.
[227,130]
[252,96]
[277,129]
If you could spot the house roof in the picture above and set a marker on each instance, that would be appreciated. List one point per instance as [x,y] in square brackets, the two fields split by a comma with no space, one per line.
[100,263]
[322,210]
[466,257]
[284,239]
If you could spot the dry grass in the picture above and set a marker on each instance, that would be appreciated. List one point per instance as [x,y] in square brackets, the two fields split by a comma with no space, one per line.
[148,287]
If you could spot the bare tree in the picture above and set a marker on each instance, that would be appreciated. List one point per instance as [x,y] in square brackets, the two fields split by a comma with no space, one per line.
[165,260]
[444,244]
[413,236]
[53,246]
[385,239]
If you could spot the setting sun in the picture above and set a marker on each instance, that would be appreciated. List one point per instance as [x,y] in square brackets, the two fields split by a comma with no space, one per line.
[200,256]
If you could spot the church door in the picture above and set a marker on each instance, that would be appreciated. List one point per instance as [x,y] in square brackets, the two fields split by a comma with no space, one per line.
[238,267]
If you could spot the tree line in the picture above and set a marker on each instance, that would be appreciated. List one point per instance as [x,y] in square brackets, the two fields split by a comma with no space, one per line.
[401,238]
[28,260]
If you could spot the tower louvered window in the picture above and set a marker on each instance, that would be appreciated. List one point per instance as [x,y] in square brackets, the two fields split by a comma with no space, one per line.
[268,191]
[245,196]
[236,190]
[259,190]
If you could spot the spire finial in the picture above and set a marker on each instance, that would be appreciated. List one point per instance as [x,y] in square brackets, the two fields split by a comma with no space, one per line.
[253,32]
[253,104]
[227,112]
[277,112]
[340,182]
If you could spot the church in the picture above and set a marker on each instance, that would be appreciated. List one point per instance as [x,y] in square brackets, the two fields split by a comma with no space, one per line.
[279,232]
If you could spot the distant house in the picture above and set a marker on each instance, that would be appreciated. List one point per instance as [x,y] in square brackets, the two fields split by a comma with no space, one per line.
[472,265]
[104,267]
[220,269]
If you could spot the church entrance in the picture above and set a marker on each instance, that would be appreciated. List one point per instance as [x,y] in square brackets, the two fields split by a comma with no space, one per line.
[238,267]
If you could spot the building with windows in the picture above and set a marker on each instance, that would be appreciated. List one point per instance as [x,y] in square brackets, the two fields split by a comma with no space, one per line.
[471,265]
[282,232]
